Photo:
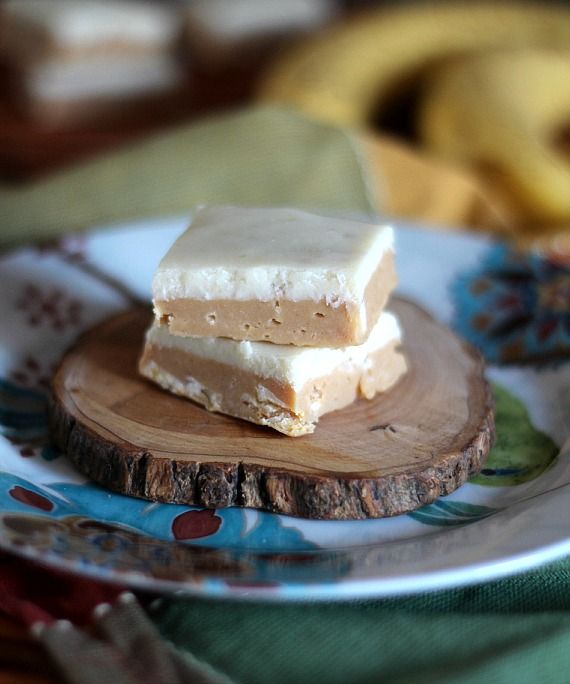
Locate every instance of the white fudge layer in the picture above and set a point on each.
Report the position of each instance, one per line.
(102, 76)
(76, 24)
(288, 364)
(244, 19)
(265, 254)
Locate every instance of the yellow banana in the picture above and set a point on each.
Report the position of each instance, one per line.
(503, 110)
(344, 73)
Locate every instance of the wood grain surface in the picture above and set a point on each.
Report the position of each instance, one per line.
(405, 448)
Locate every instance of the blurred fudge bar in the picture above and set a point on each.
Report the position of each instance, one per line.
(220, 32)
(77, 60)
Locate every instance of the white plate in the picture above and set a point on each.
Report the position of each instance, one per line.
(48, 511)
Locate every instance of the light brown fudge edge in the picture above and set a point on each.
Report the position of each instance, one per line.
(303, 323)
(264, 401)
(41, 46)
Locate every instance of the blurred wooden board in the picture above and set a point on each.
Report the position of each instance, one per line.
(30, 149)
(403, 449)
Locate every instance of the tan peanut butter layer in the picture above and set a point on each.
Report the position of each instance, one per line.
(265, 401)
(288, 390)
(83, 110)
(35, 47)
(301, 323)
(277, 275)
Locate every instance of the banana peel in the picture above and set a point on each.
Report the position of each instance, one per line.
(411, 186)
(347, 71)
(503, 111)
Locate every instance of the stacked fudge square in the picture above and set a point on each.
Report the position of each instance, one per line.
(275, 316)
(76, 61)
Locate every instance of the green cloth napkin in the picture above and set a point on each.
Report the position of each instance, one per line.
(512, 631)
(264, 156)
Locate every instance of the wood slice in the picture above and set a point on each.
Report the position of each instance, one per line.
(403, 449)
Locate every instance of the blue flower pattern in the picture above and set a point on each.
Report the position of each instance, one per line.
(515, 307)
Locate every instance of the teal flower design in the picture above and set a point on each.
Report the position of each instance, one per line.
(23, 420)
(515, 307)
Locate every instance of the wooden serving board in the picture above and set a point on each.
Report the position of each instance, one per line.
(403, 449)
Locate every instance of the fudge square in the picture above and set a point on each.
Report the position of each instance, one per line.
(283, 387)
(277, 275)
(77, 61)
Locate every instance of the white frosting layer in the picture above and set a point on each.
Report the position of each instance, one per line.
(266, 254)
(104, 76)
(286, 363)
(84, 23)
(238, 19)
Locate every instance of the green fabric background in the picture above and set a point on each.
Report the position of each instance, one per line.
(253, 157)
(512, 631)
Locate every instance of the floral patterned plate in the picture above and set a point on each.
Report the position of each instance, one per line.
(512, 516)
